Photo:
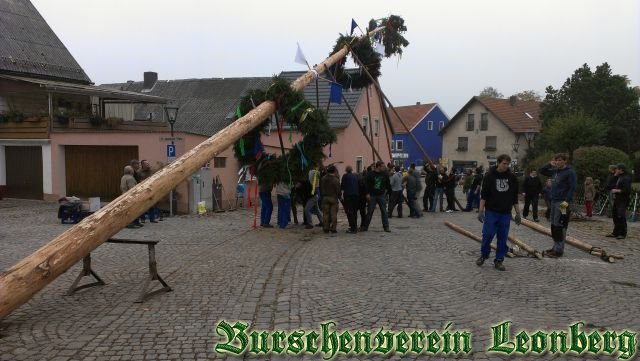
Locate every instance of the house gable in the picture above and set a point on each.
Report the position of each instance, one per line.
(29, 47)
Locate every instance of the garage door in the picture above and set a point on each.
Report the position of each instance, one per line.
(95, 171)
(24, 172)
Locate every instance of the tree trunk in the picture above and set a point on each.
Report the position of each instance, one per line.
(20, 282)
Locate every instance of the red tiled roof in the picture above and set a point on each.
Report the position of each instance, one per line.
(514, 116)
(410, 115)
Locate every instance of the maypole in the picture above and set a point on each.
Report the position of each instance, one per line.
(23, 280)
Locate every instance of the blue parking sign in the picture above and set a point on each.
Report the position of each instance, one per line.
(171, 150)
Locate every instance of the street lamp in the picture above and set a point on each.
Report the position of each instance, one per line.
(172, 116)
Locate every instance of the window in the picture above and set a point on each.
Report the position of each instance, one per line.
(484, 121)
(376, 127)
(491, 143)
(399, 145)
(430, 125)
(441, 125)
(358, 164)
(393, 145)
(398, 163)
(471, 122)
(463, 143)
(219, 162)
(365, 124)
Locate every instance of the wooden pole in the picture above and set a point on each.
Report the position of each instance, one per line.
(463, 231)
(532, 251)
(20, 282)
(355, 117)
(377, 85)
(385, 120)
(373, 150)
(595, 251)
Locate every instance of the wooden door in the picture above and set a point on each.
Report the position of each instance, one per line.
(24, 172)
(95, 171)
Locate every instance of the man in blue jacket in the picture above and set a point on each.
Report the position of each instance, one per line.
(563, 189)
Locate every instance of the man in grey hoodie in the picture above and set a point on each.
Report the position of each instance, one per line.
(396, 192)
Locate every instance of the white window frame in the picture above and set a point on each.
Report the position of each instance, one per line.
(399, 145)
(430, 125)
(359, 164)
(441, 125)
(376, 127)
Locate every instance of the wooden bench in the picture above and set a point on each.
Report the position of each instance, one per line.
(153, 271)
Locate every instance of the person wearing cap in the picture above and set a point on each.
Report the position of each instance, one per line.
(563, 190)
(622, 195)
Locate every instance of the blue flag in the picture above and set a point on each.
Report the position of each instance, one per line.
(336, 93)
(354, 25)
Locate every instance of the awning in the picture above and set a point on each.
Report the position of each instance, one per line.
(91, 90)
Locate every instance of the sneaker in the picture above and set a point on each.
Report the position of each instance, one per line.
(499, 266)
(363, 229)
(551, 254)
(449, 211)
(611, 235)
(266, 225)
(352, 231)
(621, 237)
(387, 230)
(308, 226)
(480, 261)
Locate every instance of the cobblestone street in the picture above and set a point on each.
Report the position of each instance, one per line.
(421, 276)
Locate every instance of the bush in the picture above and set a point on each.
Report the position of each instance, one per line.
(594, 162)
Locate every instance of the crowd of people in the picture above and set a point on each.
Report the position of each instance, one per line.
(134, 173)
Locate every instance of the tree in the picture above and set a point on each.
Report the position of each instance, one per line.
(570, 132)
(606, 97)
(490, 91)
(529, 95)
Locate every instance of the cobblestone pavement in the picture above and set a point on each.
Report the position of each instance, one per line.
(420, 276)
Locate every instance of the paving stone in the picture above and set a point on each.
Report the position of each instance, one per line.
(421, 276)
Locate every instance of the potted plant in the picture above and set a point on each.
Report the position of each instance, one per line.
(62, 117)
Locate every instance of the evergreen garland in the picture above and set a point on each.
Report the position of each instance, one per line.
(297, 112)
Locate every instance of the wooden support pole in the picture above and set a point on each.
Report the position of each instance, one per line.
(404, 125)
(595, 251)
(520, 243)
(20, 282)
(385, 120)
(463, 231)
(373, 148)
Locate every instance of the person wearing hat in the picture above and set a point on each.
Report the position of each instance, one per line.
(622, 195)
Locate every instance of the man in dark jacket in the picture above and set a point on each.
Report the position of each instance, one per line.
(412, 183)
(350, 186)
(563, 190)
(330, 190)
(621, 198)
(499, 194)
(532, 187)
(430, 180)
(377, 187)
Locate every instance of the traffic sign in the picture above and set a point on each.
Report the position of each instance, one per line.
(171, 150)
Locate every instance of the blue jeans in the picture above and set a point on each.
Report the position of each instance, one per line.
(381, 201)
(495, 223)
(266, 208)
(438, 195)
(284, 209)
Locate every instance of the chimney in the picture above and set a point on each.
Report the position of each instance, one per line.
(150, 78)
(417, 103)
(512, 100)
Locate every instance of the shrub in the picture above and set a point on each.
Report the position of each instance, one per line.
(594, 161)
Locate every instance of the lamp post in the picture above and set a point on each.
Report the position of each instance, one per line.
(172, 116)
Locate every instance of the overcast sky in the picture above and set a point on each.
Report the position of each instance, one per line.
(456, 47)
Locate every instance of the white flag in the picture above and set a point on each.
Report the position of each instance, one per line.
(300, 59)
